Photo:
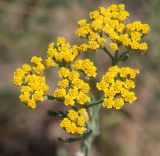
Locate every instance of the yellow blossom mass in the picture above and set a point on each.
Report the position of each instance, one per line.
(117, 85)
(106, 30)
(108, 25)
(61, 53)
(75, 121)
(86, 66)
(72, 89)
(33, 84)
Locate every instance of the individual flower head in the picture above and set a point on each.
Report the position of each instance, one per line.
(20, 73)
(38, 66)
(108, 25)
(117, 85)
(75, 122)
(33, 84)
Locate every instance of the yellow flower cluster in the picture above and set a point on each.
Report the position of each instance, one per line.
(38, 66)
(86, 31)
(75, 121)
(20, 73)
(110, 22)
(72, 89)
(33, 84)
(61, 53)
(135, 32)
(117, 84)
(107, 27)
(86, 66)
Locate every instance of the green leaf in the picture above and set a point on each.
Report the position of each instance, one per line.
(125, 57)
(70, 140)
(87, 134)
(58, 114)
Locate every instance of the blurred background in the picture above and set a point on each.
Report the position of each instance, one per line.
(26, 28)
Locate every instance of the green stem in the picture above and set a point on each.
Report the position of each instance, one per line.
(115, 59)
(95, 103)
(108, 53)
(122, 55)
(49, 97)
(93, 124)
